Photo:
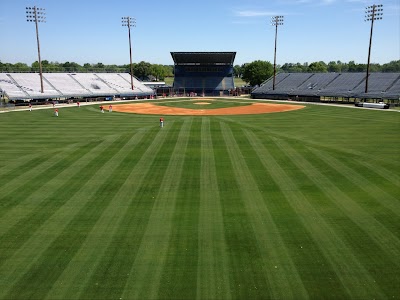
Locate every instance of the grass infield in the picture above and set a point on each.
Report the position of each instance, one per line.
(293, 205)
(206, 103)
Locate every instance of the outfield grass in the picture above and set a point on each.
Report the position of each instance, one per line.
(204, 103)
(295, 205)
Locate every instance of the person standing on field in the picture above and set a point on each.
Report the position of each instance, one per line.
(102, 109)
(110, 108)
(30, 106)
(56, 112)
(161, 122)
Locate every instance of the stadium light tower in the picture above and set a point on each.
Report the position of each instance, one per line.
(276, 21)
(128, 22)
(372, 13)
(37, 15)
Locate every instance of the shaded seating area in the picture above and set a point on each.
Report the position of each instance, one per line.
(321, 86)
(203, 73)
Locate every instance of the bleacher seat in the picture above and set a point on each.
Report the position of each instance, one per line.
(380, 85)
(58, 85)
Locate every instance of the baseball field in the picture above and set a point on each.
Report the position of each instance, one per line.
(299, 204)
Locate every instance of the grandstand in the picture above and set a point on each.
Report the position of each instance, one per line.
(321, 86)
(22, 86)
(203, 73)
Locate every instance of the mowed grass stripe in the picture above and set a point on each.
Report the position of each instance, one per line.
(392, 177)
(213, 264)
(19, 233)
(110, 275)
(388, 242)
(37, 190)
(283, 277)
(25, 272)
(151, 256)
(354, 278)
(359, 181)
(301, 119)
(24, 163)
(179, 275)
(84, 263)
(302, 247)
(27, 183)
(246, 272)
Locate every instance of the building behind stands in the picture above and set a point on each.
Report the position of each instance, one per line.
(203, 73)
(332, 87)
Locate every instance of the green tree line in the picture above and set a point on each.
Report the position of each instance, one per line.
(142, 70)
(253, 73)
(257, 72)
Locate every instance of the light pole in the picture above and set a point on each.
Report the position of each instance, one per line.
(372, 13)
(275, 21)
(37, 15)
(128, 21)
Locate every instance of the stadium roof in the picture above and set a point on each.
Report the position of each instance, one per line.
(203, 58)
(351, 85)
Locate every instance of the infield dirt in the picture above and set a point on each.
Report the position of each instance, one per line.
(254, 108)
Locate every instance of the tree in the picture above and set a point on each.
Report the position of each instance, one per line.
(237, 71)
(257, 72)
(99, 66)
(158, 71)
(293, 68)
(317, 67)
(21, 67)
(71, 67)
(35, 66)
(142, 70)
(393, 66)
(333, 66)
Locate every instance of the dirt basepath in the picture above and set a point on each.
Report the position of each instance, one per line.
(254, 108)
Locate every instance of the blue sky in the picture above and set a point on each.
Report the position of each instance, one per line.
(90, 31)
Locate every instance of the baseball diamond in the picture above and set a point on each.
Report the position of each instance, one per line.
(300, 204)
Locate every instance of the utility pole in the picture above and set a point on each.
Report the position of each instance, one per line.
(372, 13)
(275, 21)
(128, 22)
(37, 15)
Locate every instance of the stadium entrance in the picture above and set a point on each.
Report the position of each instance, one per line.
(203, 73)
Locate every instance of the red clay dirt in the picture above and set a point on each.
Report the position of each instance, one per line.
(254, 108)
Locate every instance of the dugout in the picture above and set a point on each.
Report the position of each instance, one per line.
(203, 73)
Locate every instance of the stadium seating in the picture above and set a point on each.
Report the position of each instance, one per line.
(395, 87)
(380, 85)
(9, 86)
(204, 72)
(30, 84)
(207, 83)
(66, 85)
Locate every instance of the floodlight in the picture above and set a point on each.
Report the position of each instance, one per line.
(276, 21)
(128, 22)
(37, 15)
(374, 12)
